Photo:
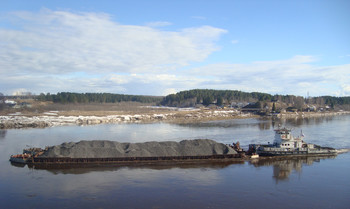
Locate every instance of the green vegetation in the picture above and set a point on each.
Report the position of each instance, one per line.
(206, 97)
(2, 104)
(329, 100)
(209, 96)
(67, 97)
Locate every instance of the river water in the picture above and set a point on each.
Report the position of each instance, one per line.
(298, 183)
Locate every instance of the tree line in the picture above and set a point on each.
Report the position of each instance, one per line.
(220, 97)
(68, 97)
(194, 97)
(209, 96)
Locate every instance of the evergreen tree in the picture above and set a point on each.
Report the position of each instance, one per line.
(207, 101)
(219, 101)
(274, 107)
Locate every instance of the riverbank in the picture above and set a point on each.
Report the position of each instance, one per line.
(310, 114)
(168, 115)
(55, 118)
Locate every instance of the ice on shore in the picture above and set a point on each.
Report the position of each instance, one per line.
(52, 118)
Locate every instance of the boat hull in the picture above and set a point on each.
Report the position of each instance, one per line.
(296, 153)
(18, 160)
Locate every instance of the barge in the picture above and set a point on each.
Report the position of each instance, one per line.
(285, 144)
(110, 152)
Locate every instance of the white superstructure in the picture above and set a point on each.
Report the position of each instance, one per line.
(284, 139)
(286, 144)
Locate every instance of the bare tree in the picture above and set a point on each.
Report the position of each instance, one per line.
(299, 103)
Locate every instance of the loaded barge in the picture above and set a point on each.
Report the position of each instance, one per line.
(192, 151)
(110, 152)
(285, 144)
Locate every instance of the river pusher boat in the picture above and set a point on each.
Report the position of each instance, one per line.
(286, 144)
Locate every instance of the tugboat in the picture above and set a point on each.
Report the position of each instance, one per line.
(286, 144)
(20, 158)
(27, 155)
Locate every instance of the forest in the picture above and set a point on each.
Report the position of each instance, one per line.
(225, 97)
(195, 97)
(68, 97)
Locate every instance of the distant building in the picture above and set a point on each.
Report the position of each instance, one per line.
(10, 102)
(311, 108)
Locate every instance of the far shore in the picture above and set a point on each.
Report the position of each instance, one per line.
(143, 114)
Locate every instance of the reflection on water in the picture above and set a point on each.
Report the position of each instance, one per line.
(19, 165)
(263, 123)
(297, 122)
(87, 168)
(3, 133)
(283, 167)
(240, 123)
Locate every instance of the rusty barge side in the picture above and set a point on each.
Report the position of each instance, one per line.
(116, 160)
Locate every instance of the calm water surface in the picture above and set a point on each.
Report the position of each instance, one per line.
(300, 183)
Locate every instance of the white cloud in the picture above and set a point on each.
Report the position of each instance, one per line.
(292, 76)
(170, 91)
(19, 92)
(118, 79)
(54, 51)
(345, 89)
(199, 17)
(158, 24)
(56, 42)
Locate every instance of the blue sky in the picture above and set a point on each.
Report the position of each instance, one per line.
(162, 47)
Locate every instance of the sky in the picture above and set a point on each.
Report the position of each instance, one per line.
(159, 47)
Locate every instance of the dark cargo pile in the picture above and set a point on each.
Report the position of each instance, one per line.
(106, 149)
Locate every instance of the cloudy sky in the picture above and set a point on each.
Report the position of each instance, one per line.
(158, 47)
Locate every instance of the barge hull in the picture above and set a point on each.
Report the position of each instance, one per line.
(66, 160)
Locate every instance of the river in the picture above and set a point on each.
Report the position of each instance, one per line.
(298, 183)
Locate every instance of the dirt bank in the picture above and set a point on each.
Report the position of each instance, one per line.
(54, 118)
(60, 118)
(309, 114)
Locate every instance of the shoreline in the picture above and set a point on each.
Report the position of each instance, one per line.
(64, 118)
